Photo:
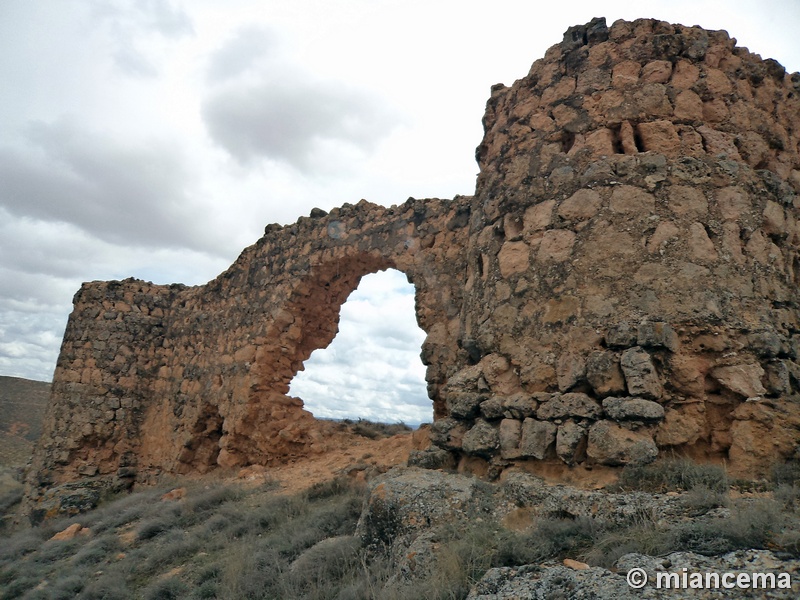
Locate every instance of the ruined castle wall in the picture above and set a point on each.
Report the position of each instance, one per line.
(623, 283)
(101, 384)
(633, 257)
(158, 379)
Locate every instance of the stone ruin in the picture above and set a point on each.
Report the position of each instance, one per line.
(623, 283)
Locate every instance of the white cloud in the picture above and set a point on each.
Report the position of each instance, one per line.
(288, 116)
(243, 51)
(136, 31)
(131, 192)
(372, 369)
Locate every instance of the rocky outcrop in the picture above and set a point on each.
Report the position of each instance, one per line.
(776, 578)
(631, 250)
(410, 511)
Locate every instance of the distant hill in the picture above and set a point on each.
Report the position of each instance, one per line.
(22, 406)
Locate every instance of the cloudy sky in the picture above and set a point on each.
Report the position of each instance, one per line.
(157, 138)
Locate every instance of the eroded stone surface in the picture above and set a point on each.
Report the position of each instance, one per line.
(637, 198)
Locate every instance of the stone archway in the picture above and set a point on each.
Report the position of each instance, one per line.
(372, 369)
(272, 425)
(179, 379)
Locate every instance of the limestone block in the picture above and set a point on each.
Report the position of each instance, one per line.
(622, 335)
(656, 334)
(638, 409)
(732, 242)
(556, 245)
(774, 219)
(681, 425)
(573, 404)
(482, 439)
(447, 433)
(625, 74)
(627, 199)
(464, 405)
(778, 378)
(510, 432)
(571, 442)
(492, 408)
(664, 233)
(687, 201)
(657, 71)
(660, 136)
(687, 374)
(561, 310)
(685, 75)
(583, 204)
(744, 379)
(611, 444)
(733, 203)
(521, 406)
(600, 142)
(539, 216)
(604, 374)
(627, 137)
(688, 106)
(640, 374)
(760, 434)
(651, 99)
(701, 248)
(765, 344)
(513, 258)
(570, 370)
(537, 438)
(715, 111)
(719, 143)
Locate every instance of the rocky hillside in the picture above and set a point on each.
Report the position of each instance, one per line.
(22, 406)
(419, 534)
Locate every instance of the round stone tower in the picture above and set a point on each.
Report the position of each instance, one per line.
(633, 257)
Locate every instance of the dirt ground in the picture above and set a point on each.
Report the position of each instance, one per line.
(347, 454)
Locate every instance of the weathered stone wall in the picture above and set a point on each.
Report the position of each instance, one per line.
(155, 379)
(624, 280)
(633, 256)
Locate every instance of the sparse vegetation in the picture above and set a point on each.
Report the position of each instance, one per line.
(374, 430)
(225, 541)
(673, 474)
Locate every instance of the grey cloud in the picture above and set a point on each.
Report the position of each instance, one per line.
(161, 16)
(27, 292)
(33, 313)
(288, 118)
(40, 247)
(29, 343)
(118, 193)
(240, 53)
(130, 21)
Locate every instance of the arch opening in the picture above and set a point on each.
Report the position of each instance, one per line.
(372, 368)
